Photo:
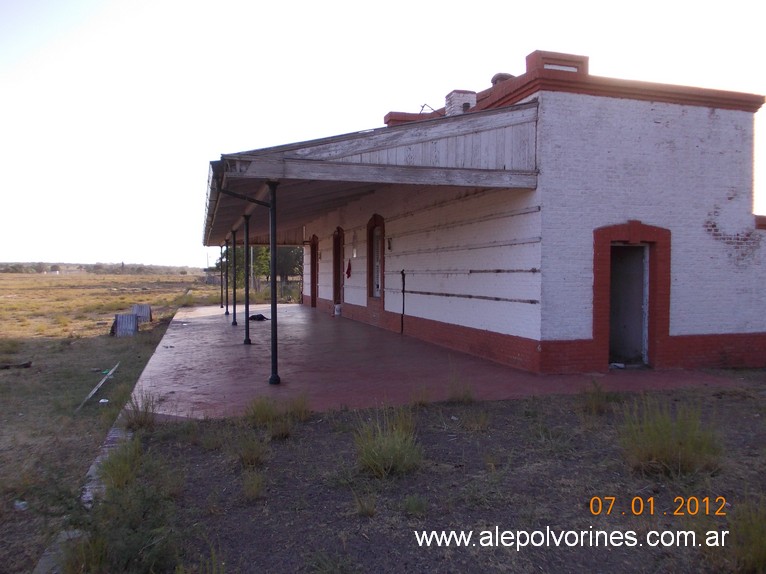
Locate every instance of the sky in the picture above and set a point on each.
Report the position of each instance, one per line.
(111, 110)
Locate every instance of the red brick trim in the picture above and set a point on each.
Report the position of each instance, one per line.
(658, 239)
(539, 78)
(372, 314)
(737, 350)
(518, 352)
(579, 356)
(542, 80)
(760, 221)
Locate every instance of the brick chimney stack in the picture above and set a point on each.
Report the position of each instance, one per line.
(459, 102)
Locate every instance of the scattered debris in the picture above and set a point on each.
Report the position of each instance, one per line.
(616, 365)
(103, 401)
(24, 365)
(97, 387)
(143, 312)
(20, 505)
(125, 325)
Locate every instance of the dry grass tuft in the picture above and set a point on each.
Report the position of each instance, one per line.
(748, 535)
(140, 413)
(657, 442)
(386, 443)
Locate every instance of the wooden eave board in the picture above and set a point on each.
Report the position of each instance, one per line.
(494, 149)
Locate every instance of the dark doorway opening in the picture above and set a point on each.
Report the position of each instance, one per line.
(628, 305)
(314, 270)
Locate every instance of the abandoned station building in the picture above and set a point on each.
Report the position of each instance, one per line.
(555, 221)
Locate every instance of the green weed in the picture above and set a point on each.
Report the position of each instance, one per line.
(130, 528)
(415, 505)
(595, 400)
(122, 465)
(324, 563)
(251, 451)
(252, 484)
(365, 504)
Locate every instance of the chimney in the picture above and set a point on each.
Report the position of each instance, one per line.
(501, 77)
(540, 60)
(459, 102)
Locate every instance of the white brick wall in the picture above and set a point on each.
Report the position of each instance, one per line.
(447, 241)
(604, 161)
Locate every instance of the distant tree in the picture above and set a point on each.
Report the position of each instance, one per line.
(289, 263)
(55, 268)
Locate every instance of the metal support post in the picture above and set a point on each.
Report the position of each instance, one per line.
(247, 279)
(274, 379)
(234, 278)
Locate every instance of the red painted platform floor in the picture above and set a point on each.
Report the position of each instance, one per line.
(201, 368)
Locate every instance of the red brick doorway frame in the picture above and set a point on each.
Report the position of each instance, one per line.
(658, 328)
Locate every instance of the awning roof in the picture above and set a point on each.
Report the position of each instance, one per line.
(321, 175)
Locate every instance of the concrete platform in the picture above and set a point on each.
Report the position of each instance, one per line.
(201, 368)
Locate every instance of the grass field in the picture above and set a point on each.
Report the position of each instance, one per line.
(61, 324)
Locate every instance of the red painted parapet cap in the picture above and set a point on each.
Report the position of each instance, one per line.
(558, 72)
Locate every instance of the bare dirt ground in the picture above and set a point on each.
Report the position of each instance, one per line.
(526, 465)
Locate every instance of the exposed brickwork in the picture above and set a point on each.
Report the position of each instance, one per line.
(744, 244)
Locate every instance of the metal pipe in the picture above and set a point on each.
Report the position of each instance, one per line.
(401, 327)
(234, 282)
(247, 279)
(274, 379)
(220, 265)
(227, 277)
